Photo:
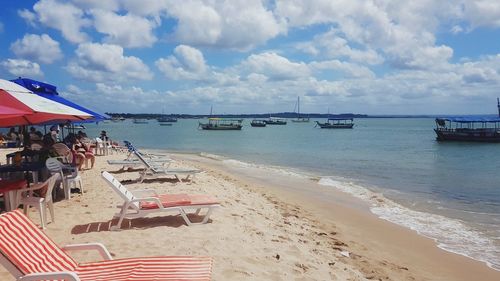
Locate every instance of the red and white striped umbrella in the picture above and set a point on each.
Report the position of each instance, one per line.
(32, 108)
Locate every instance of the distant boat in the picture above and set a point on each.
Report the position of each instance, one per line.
(336, 123)
(299, 118)
(221, 124)
(275, 121)
(166, 119)
(115, 119)
(122, 118)
(165, 124)
(466, 128)
(258, 123)
(140, 121)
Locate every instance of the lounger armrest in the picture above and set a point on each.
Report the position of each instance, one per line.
(100, 248)
(145, 193)
(60, 275)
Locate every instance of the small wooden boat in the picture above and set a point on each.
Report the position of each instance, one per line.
(336, 123)
(275, 121)
(166, 119)
(258, 123)
(220, 124)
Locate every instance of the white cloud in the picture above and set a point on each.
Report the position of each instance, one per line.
(22, 68)
(274, 66)
(128, 30)
(62, 16)
(236, 24)
(186, 63)
(482, 13)
(331, 45)
(100, 62)
(40, 48)
(403, 32)
(348, 69)
(108, 5)
(28, 16)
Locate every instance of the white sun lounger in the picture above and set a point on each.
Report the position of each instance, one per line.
(151, 203)
(154, 171)
(131, 163)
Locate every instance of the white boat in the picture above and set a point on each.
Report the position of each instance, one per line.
(140, 121)
(299, 118)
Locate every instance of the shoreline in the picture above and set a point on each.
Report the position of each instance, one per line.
(352, 214)
(268, 228)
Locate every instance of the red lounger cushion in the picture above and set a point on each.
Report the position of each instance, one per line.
(176, 200)
(151, 268)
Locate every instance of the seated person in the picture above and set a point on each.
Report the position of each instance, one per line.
(82, 149)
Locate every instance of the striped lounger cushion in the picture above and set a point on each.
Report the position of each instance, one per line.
(31, 251)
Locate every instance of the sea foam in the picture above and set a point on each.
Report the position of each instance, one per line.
(450, 234)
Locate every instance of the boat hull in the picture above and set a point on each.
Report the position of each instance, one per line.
(221, 128)
(275, 122)
(257, 125)
(334, 126)
(467, 136)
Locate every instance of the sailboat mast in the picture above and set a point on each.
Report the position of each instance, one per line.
(298, 106)
(498, 106)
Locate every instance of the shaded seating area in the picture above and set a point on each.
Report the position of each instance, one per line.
(149, 202)
(29, 254)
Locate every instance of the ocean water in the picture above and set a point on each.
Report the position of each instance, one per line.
(446, 191)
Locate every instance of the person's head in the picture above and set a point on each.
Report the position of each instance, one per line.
(12, 130)
(103, 133)
(32, 130)
(54, 128)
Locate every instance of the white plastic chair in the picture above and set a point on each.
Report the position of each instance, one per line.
(40, 203)
(68, 181)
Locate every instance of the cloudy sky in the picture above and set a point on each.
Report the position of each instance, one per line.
(251, 56)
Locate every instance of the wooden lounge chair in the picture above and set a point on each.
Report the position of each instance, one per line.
(30, 255)
(153, 203)
(154, 171)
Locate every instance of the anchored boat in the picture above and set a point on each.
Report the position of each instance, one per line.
(275, 121)
(473, 129)
(336, 123)
(299, 118)
(221, 124)
(258, 123)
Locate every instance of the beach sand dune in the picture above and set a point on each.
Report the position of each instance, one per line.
(257, 234)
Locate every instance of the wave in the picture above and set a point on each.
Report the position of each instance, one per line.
(450, 234)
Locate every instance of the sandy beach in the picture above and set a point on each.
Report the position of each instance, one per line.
(269, 227)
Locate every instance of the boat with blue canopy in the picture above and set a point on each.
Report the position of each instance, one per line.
(469, 128)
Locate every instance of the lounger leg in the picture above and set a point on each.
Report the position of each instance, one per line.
(122, 214)
(207, 216)
(189, 222)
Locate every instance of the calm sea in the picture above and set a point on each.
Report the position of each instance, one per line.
(447, 191)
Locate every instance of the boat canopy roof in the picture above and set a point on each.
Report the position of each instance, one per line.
(471, 119)
(340, 118)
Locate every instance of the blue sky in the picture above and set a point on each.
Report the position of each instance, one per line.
(374, 57)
